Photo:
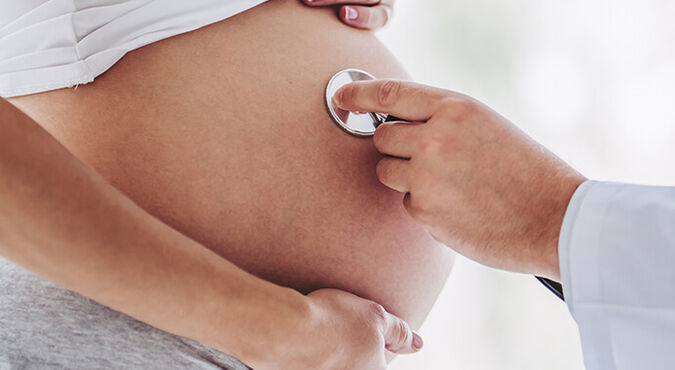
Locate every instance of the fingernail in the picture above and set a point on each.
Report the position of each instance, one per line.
(351, 14)
(417, 342)
(337, 99)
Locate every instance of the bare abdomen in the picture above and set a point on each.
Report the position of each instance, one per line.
(223, 134)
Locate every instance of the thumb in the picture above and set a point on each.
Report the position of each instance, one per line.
(398, 336)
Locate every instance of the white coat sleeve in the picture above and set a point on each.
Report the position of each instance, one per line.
(617, 264)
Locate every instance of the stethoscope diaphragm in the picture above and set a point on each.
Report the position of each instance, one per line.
(359, 124)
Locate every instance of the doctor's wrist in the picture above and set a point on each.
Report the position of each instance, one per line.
(545, 257)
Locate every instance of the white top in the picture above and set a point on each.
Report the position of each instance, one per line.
(51, 44)
(617, 261)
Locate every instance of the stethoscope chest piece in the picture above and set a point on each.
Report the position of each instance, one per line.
(365, 124)
(359, 124)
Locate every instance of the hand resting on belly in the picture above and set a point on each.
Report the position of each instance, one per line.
(222, 134)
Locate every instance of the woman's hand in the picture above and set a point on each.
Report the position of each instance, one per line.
(476, 181)
(63, 221)
(364, 14)
(342, 331)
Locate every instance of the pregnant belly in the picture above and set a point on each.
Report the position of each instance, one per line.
(223, 134)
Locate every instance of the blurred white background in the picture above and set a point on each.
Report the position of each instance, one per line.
(592, 80)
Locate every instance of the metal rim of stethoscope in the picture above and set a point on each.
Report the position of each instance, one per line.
(330, 90)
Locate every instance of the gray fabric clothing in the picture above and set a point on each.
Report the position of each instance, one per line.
(43, 326)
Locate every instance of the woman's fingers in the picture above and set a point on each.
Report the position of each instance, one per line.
(364, 14)
(340, 2)
(366, 17)
(398, 336)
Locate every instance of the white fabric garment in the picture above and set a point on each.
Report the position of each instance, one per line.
(51, 44)
(617, 262)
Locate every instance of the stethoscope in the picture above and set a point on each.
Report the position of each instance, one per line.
(365, 124)
(358, 124)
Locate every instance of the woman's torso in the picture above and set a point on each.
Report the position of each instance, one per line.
(223, 134)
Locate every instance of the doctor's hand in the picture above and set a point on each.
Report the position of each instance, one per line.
(472, 178)
(364, 14)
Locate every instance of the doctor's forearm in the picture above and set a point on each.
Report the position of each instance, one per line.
(61, 220)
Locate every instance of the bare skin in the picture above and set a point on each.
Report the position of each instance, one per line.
(475, 181)
(60, 219)
(236, 152)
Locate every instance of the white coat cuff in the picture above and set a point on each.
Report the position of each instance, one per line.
(617, 253)
(578, 226)
(579, 265)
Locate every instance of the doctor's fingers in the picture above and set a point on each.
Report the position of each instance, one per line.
(408, 100)
(394, 173)
(397, 139)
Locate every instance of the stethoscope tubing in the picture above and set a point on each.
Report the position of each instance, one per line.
(554, 287)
